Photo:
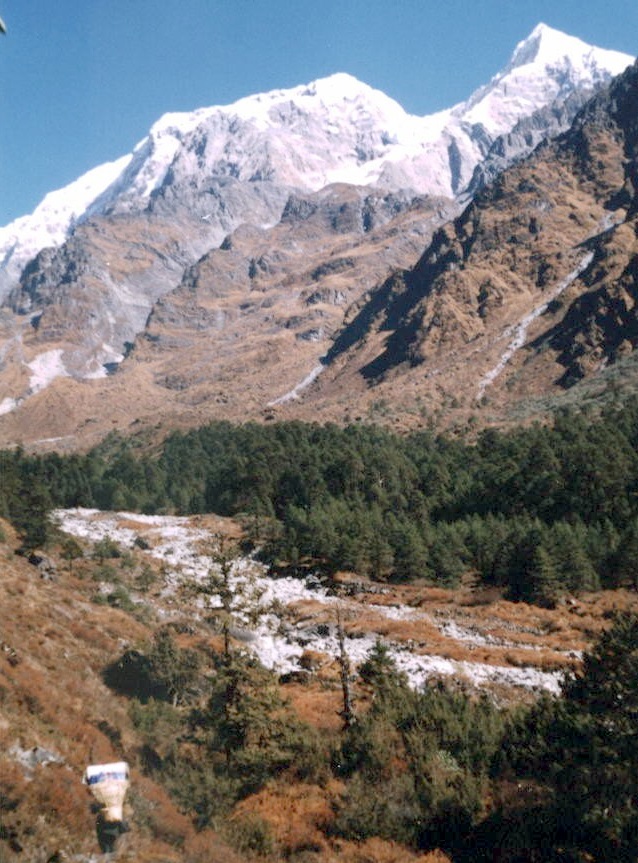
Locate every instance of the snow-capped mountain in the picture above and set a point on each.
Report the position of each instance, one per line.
(334, 130)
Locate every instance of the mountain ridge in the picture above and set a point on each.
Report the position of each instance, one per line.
(144, 171)
(222, 293)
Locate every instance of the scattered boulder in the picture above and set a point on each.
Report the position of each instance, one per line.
(38, 756)
(45, 566)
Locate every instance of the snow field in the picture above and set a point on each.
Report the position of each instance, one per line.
(176, 541)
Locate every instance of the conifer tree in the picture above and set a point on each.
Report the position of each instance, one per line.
(173, 670)
(583, 747)
(623, 570)
(230, 591)
(347, 712)
(568, 549)
(245, 718)
(541, 585)
(380, 671)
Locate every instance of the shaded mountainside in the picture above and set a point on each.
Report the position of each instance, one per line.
(531, 289)
(324, 315)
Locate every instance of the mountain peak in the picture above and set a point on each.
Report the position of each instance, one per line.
(546, 46)
(339, 85)
(542, 40)
(335, 129)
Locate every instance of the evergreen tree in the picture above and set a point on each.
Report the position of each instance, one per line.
(411, 559)
(623, 565)
(71, 550)
(380, 671)
(247, 721)
(230, 591)
(540, 579)
(584, 747)
(533, 576)
(173, 671)
(568, 549)
(30, 513)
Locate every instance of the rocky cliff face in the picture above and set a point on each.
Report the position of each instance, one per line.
(335, 130)
(217, 282)
(531, 288)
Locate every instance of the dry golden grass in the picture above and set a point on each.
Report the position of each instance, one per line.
(296, 814)
(55, 645)
(52, 695)
(316, 704)
(207, 847)
(382, 851)
(483, 627)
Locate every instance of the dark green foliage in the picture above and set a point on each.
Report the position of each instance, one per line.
(247, 720)
(380, 671)
(71, 549)
(250, 835)
(165, 672)
(240, 737)
(534, 578)
(106, 548)
(174, 671)
(30, 512)
(623, 564)
(582, 749)
(119, 597)
(537, 511)
(416, 764)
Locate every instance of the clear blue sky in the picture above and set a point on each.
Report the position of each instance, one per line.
(83, 80)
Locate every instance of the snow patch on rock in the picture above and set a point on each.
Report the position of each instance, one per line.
(180, 544)
(46, 367)
(519, 330)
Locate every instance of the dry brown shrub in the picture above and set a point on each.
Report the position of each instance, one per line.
(546, 660)
(296, 814)
(312, 660)
(58, 794)
(13, 785)
(90, 635)
(49, 810)
(156, 808)
(316, 705)
(310, 609)
(396, 630)
(377, 850)
(207, 847)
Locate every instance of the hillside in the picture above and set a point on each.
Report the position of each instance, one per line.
(85, 609)
(267, 259)
(57, 716)
(318, 471)
(525, 294)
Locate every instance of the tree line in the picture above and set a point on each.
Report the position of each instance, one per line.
(536, 511)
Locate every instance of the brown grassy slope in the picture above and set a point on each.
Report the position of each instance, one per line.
(55, 643)
(248, 322)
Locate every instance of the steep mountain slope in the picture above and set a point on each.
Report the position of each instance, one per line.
(57, 716)
(332, 130)
(529, 290)
(234, 329)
